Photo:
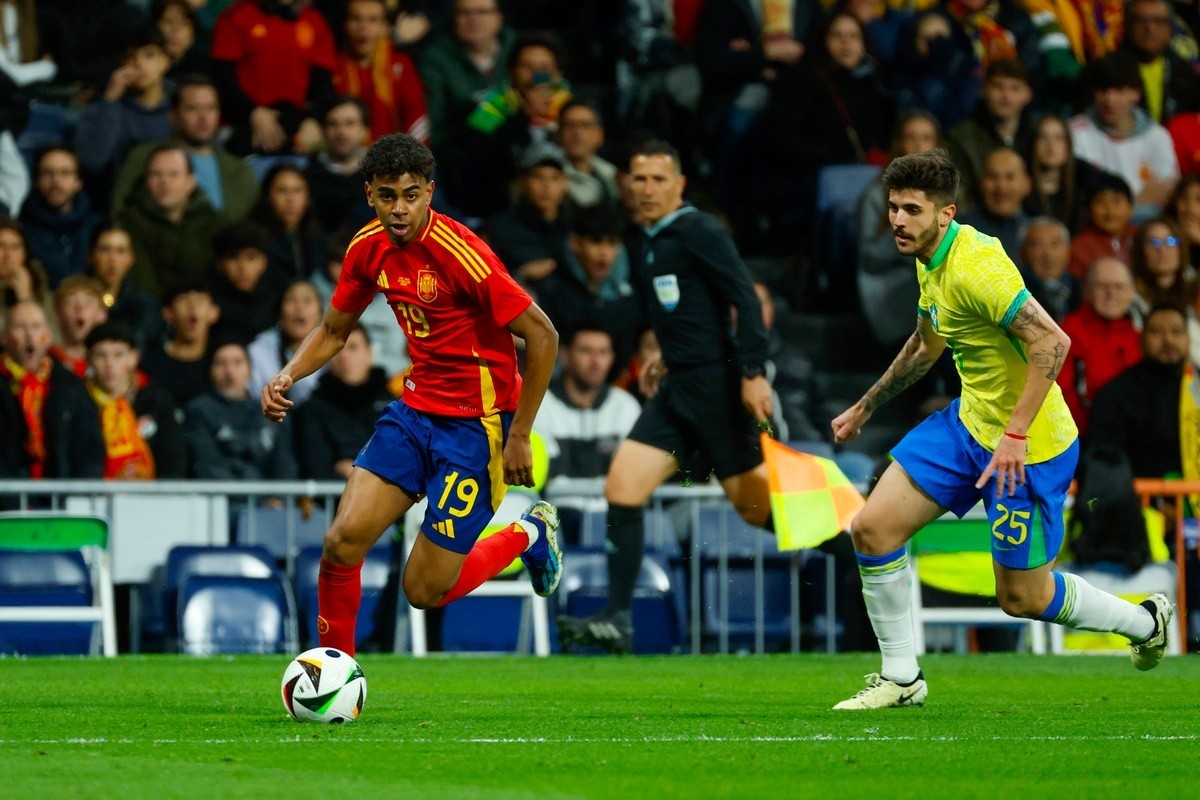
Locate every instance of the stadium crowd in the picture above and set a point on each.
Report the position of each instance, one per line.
(179, 180)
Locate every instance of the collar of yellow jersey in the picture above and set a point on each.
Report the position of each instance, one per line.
(939, 255)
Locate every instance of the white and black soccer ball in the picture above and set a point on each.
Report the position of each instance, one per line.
(324, 685)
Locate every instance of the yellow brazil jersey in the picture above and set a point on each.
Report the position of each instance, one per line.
(971, 291)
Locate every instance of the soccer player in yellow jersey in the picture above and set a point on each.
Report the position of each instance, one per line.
(1008, 441)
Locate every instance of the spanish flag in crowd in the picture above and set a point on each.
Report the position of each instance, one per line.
(811, 500)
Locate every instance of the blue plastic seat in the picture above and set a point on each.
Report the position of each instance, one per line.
(374, 581)
(231, 615)
(45, 578)
(268, 528)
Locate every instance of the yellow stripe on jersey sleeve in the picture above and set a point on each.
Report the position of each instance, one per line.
(452, 241)
(364, 232)
(457, 256)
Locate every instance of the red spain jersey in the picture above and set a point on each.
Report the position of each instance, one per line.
(453, 298)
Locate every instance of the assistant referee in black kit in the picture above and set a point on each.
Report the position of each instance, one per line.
(705, 417)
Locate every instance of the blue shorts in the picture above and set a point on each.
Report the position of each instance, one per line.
(942, 457)
(458, 462)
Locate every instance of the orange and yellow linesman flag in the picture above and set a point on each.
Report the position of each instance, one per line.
(811, 500)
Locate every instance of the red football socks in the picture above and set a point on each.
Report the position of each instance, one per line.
(339, 592)
(487, 558)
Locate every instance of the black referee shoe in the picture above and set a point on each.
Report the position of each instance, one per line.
(612, 633)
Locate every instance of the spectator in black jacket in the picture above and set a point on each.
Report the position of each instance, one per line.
(229, 437)
(141, 423)
(111, 257)
(248, 288)
(57, 217)
(529, 237)
(286, 210)
(333, 175)
(339, 417)
(51, 427)
(181, 362)
(1174, 87)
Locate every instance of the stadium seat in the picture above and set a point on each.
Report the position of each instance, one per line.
(221, 614)
(660, 531)
(658, 611)
(374, 581)
(184, 561)
(954, 555)
(56, 570)
(741, 567)
(268, 528)
(859, 468)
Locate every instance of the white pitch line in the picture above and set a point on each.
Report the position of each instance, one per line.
(693, 739)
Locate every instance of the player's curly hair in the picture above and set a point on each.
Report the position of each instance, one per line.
(397, 154)
(932, 173)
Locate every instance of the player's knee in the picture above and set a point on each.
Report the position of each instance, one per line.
(1020, 603)
(421, 594)
(340, 547)
(867, 535)
(619, 491)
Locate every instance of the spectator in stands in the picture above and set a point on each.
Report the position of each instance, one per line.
(23, 61)
(228, 182)
(57, 217)
(1169, 83)
(462, 65)
(141, 423)
(530, 236)
(831, 108)
(1183, 209)
(389, 347)
(133, 109)
(339, 417)
(248, 288)
(1003, 187)
(79, 305)
(1138, 412)
(171, 223)
(1107, 230)
(999, 121)
(296, 244)
(887, 287)
(22, 277)
(370, 68)
(936, 71)
(50, 427)
(273, 62)
(657, 82)
(1159, 271)
(582, 420)
(520, 112)
(590, 179)
(298, 313)
(1060, 181)
(333, 175)
(180, 364)
(1115, 134)
(111, 257)
(1045, 250)
(592, 281)
(180, 28)
(1104, 341)
(229, 438)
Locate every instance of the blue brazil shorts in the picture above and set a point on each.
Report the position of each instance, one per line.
(942, 457)
(458, 462)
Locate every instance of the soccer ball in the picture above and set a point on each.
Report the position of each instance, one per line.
(324, 685)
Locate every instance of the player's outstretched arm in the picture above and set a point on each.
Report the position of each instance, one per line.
(1047, 347)
(321, 344)
(914, 360)
(541, 349)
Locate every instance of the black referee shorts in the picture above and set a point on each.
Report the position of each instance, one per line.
(698, 417)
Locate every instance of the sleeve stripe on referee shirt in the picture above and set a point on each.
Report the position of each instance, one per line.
(467, 256)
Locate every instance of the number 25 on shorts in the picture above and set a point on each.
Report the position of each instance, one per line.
(1017, 521)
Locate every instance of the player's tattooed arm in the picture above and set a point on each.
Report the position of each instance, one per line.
(914, 360)
(1046, 341)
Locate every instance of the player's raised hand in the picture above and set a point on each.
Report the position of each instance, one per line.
(518, 460)
(274, 404)
(847, 425)
(1007, 464)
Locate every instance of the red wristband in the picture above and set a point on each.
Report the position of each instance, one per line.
(1016, 436)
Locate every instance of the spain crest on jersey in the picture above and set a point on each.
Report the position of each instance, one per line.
(426, 285)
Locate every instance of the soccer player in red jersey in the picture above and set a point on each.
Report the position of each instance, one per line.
(460, 432)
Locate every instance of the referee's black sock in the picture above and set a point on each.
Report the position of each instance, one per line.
(626, 529)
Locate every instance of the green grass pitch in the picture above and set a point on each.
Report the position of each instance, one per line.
(1004, 726)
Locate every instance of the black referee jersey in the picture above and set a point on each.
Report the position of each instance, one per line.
(690, 275)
